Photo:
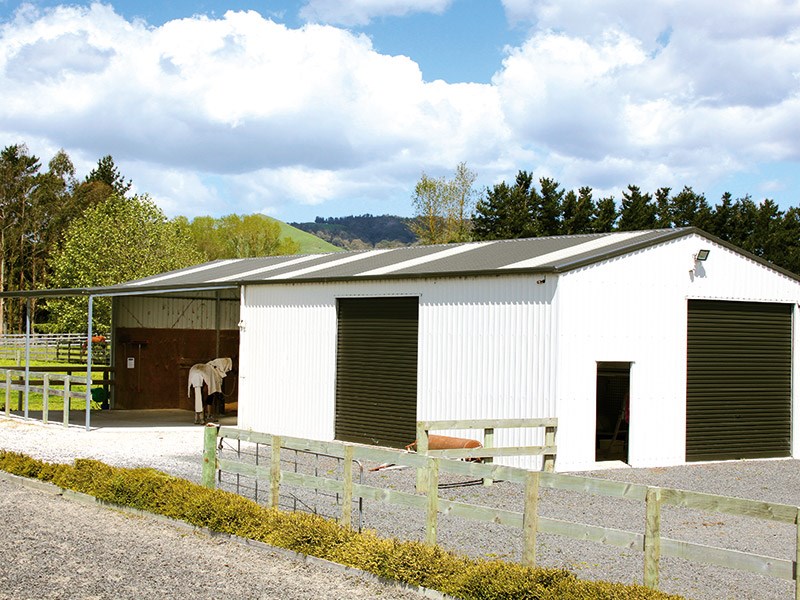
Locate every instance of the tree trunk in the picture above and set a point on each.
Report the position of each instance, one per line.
(2, 281)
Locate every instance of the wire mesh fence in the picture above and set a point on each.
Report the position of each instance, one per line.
(294, 498)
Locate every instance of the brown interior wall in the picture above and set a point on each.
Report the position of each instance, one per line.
(162, 358)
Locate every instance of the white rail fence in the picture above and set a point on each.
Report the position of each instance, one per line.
(45, 347)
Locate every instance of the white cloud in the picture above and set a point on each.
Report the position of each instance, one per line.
(670, 92)
(563, 92)
(361, 12)
(178, 191)
(649, 21)
(243, 114)
(240, 96)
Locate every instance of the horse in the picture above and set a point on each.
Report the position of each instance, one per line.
(212, 374)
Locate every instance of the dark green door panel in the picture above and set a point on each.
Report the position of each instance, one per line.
(738, 380)
(376, 370)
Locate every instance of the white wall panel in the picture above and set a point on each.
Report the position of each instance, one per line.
(633, 309)
(484, 352)
(287, 360)
(163, 312)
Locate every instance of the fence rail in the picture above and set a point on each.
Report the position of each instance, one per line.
(61, 347)
(651, 543)
(489, 450)
(49, 381)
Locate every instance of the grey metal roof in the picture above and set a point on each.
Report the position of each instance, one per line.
(535, 255)
(540, 255)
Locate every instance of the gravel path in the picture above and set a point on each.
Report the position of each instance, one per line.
(58, 548)
(178, 451)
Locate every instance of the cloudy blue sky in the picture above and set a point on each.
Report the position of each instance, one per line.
(335, 107)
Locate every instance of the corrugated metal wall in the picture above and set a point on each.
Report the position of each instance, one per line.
(634, 309)
(163, 312)
(287, 360)
(485, 351)
(509, 347)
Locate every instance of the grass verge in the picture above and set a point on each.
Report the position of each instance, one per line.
(35, 399)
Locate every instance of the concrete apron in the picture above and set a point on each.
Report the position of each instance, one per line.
(155, 418)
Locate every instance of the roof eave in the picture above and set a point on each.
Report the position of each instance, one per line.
(123, 290)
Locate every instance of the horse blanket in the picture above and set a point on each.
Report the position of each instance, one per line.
(210, 373)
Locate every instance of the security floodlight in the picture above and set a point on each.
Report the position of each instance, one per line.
(701, 255)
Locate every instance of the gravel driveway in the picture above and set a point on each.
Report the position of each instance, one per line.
(178, 451)
(58, 548)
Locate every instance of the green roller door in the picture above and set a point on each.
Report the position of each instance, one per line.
(738, 380)
(376, 370)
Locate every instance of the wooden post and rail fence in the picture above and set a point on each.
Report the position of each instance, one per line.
(53, 382)
(488, 451)
(650, 542)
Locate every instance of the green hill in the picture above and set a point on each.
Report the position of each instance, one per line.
(309, 243)
(362, 231)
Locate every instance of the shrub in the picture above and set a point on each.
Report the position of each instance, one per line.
(410, 562)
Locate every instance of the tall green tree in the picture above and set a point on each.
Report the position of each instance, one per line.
(721, 224)
(52, 209)
(548, 207)
(18, 179)
(506, 212)
(767, 240)
(637, 211)
(789, 240)
(442, 207)
(606, 215)
(743, 223)
(118, 240)
(239, 236)
(462, 203)
(430, 210)
(663, 208)
(690, 209)
(578, 212)
(107, 172)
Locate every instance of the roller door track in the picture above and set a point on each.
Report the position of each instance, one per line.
(376, 370)
(738, 380)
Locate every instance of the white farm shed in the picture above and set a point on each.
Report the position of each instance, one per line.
(651, 347)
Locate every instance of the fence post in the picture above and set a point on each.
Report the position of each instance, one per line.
(652, 537)
(275, 472)
(8, 393)
(433, 500)
(347, 480)
(45, 397)
(67, 400)
(797, 558)
(488, 442)
(530, 519)
(549, 440)
(422, 450)
(210, 456)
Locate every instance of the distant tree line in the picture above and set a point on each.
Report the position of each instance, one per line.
(362, 231)
(526, 208)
